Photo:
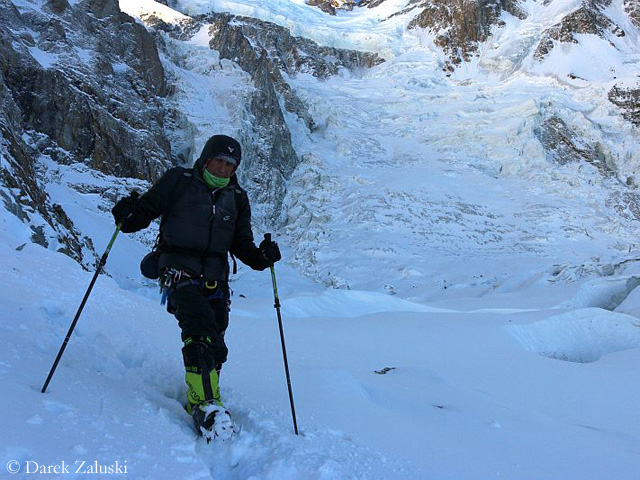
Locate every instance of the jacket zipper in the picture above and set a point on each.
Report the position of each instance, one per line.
(214, 195)
(212, 220)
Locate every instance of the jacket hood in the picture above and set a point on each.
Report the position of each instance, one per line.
(222, 146)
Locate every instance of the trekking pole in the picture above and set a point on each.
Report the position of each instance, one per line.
(267, 237)
(101, 264)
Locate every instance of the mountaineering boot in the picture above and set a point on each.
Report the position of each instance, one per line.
(204, 404)
(213, 421)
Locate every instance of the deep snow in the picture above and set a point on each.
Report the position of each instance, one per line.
(546, 392)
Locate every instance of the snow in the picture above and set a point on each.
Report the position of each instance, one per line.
(465, 385)
(499, 290)
(462, 176)
(363, 29)
(136, 8)
(121, 381)
(45, 59)
(607, 293)
(465, 381)
(631, 304)
(581, 336)
(86, 56)
(120, 67)
(462, 387)
(349, 304)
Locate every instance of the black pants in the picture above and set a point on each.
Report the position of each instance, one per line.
(203, 312)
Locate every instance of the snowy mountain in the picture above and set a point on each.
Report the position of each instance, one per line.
(454, 185)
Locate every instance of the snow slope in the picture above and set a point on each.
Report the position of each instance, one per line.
(118, 392)
(462, 177)
(474, 393)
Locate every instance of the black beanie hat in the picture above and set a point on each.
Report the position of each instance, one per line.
(221, 146)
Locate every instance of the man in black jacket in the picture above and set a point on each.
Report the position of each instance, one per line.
(205, 216)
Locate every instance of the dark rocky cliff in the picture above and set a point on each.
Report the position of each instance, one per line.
(628, 99)
(632, 7)
(90, 79)
(78, 83)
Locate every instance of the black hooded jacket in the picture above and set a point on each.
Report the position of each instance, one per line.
(199, 227)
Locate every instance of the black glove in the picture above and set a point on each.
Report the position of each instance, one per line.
(124, 209)
(269, 251)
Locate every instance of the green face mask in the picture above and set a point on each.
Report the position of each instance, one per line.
(212, 181)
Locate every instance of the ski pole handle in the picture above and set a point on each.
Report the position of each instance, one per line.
(267, 237)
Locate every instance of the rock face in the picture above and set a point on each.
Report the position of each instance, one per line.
(291, 55)
(632, 7)
(370, 3)
(267, 51)
(628, 99)
(563, 146)
(90, 80)
(324, 5)
(586, 20)
(23, 195)
(330, 6)
(78, 83)
(461, 25)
